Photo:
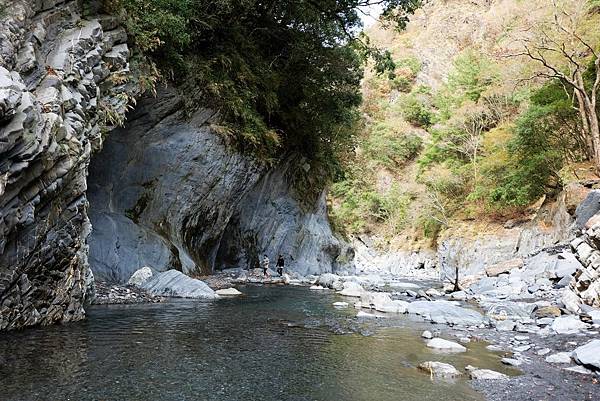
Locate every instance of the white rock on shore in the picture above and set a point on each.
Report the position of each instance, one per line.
(352, 289)
(569, 324)
(485, 374)
(140, 276)
(560, 357)
(588, 354)
(174, 283)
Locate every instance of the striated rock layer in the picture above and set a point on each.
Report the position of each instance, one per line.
(165, 191)
(61, 80)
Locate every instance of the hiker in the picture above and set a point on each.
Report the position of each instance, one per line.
(265, 265)
(280, 263)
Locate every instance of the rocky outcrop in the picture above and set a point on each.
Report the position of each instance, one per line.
(62, 81)
(168, 193)
(272, 220)
(585, 285)
(549, 228)
(162, 192)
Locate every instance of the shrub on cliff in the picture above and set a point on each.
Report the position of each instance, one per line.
(284, 75)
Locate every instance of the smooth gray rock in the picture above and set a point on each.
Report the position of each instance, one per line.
(166, 191)
(173, 283)
(486, 374)
(589, 207)
(560, 357)
(588, 355)
(352, 289)
(446, 312)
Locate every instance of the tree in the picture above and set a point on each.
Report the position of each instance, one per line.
(283, 75)
(567, 45)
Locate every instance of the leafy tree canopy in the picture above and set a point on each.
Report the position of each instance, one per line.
(285, 75)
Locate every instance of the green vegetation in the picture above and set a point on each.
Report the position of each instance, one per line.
(498, 133)
(284, 75)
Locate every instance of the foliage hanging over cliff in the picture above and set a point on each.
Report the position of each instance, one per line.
(285, 75)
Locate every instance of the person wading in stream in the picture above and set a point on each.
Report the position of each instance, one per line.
(265, 265)
(280, 263)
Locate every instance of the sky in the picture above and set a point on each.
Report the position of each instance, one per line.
(373, 13)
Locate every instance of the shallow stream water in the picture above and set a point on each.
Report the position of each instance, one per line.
(276, 343)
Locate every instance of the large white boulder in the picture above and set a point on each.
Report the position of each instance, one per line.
(445, 345)
(330, 280)
(588, 354)
(352, 289)
(173, 283)
(140, 276)
(568, 324)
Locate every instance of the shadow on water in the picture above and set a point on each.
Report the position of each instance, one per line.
(271, 344)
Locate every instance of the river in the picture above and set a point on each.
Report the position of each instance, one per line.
(273, 343)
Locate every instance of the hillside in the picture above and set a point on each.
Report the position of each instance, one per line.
(468, 132)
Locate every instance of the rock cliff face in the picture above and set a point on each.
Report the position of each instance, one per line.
(162, 191)
(166, 192)
(553, 225)
(59, 81)
(271, 220)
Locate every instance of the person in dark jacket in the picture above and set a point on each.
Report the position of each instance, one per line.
(280, 264)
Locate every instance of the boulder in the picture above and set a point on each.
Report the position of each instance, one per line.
(330, 280)
(317, 288)
(586, 209)
(140, 276)
(505, 325)
(352, 289)
(439, 369)
(568, 325)
(173, 283)
(508, 310)
(571, 301)
(486, 374)
(445, 345)
(432, 292)
(503, 267)
(511, 361)
(446, 312)
(547, 311)
(560, 357)
(588, 355)
(228, 292)
(566, 265)
(427, 334)
(340, 304)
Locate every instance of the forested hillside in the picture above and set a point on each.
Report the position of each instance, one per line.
(489, 112)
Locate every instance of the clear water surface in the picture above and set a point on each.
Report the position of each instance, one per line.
(277, 343)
